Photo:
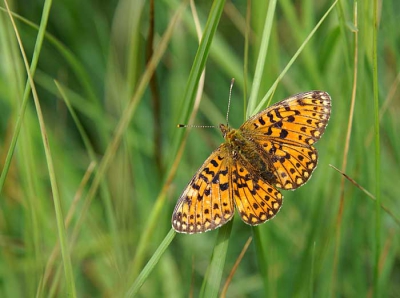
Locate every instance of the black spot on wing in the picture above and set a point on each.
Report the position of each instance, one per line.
(283, 133)
(224, 186)
(214, 163)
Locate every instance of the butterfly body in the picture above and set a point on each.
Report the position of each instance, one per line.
(242, 148)
(273, 149)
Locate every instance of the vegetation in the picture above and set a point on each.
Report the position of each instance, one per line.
(92, 162)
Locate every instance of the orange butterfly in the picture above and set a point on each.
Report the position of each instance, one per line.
(273, 149)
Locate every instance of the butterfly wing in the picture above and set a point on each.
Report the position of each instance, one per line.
(285, 133)
(255, 198)
(206, 203)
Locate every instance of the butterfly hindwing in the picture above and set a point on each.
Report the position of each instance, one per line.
(256, 200)
(292, 164)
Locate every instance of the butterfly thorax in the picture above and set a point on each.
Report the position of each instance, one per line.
(244, 148)
(237, 142)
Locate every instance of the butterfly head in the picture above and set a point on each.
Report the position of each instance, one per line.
(232, 136)
(225, 129)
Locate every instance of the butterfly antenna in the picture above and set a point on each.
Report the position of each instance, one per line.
(229, 101)
(212, 126)
(194, 126)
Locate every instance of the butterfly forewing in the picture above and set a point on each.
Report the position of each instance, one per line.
(300, 119)
(207, 202)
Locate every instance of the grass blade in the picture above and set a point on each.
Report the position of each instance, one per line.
(377, 149)
(262, 54)
(292, 60)
(151, 264)
(212, 280)
(69, 277)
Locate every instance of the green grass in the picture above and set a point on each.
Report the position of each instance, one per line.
(92, 163)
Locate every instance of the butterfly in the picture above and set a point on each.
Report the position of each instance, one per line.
(273, 149)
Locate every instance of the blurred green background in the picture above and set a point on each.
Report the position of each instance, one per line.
(84, 218)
